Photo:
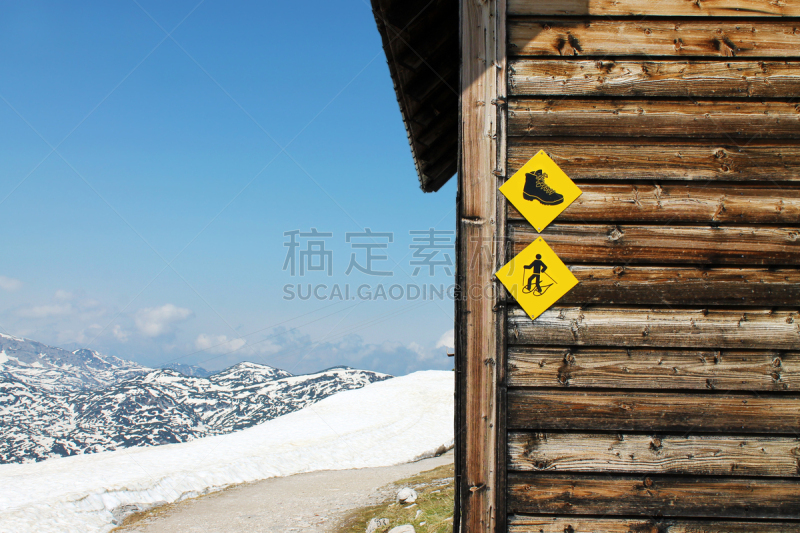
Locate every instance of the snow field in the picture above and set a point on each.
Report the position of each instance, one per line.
(382, 424)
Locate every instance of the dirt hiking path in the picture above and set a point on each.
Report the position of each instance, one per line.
(312, 502)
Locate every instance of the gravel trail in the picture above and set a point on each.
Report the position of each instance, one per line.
(312, 502)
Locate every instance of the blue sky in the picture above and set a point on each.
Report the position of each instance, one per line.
(155, 153)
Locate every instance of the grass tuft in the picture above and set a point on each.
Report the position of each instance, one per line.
(436, 493)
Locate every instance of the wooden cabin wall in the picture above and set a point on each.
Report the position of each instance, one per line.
(662, 393)
(480, 328)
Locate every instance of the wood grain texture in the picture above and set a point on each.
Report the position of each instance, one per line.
(577, 524)
(661, 8)
(634, 244)
(476, 327)
(606, 495)
(677, 285)
(649, 454)
(657, 328)
(703, 160)
(702, 79)
(586, 410)
(501, 258)
(654, 118)
(542, 366)
(653, 37)
(674, 203)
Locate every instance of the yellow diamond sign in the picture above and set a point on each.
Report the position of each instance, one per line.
(536, 278)
(540, 190)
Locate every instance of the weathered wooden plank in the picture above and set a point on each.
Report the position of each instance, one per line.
(682, 203)
(657, 327)
(674, 285)
(654, 118)
(538, 366)
(476, 326)
(648, 454)
(662, 159)
(577, 524)
(501, 257)
(653, 496)
(606, 77)
(661, 8)
(586, 410)
(725, 245)
(653, 37)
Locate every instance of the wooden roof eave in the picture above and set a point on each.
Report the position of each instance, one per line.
(420, 40)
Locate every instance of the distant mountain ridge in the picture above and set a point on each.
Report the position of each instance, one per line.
(58, 370)
(58, 403)
(189, 370)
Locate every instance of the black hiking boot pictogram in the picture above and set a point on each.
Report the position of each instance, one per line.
(537, 189)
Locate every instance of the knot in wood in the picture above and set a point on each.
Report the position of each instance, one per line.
(615, 234)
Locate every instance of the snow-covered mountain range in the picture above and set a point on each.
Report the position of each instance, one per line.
(56, 370)
(58, 403)
(387, 423)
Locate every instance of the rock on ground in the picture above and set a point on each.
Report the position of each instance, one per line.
(375, 523)
(407, 495)
(408, 528)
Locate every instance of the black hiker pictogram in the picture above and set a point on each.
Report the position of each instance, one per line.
(539, 268)
(536, 189)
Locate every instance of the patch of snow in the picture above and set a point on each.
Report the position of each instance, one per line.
(3, 357)
(352, 429)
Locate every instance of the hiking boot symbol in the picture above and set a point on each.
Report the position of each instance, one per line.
(536, 189)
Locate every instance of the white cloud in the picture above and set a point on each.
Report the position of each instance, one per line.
(10, 284)
(447, 340)
(81, 336)
(120, 334)
(90, 304)
(157, 321)
(419, 350)
(63, 296)
(299, 354)
(46, 311)
(217, 343)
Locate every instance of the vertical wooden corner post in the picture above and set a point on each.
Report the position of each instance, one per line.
(480, 315)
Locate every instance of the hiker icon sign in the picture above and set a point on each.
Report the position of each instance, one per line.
(536, 278)
(540, 191)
